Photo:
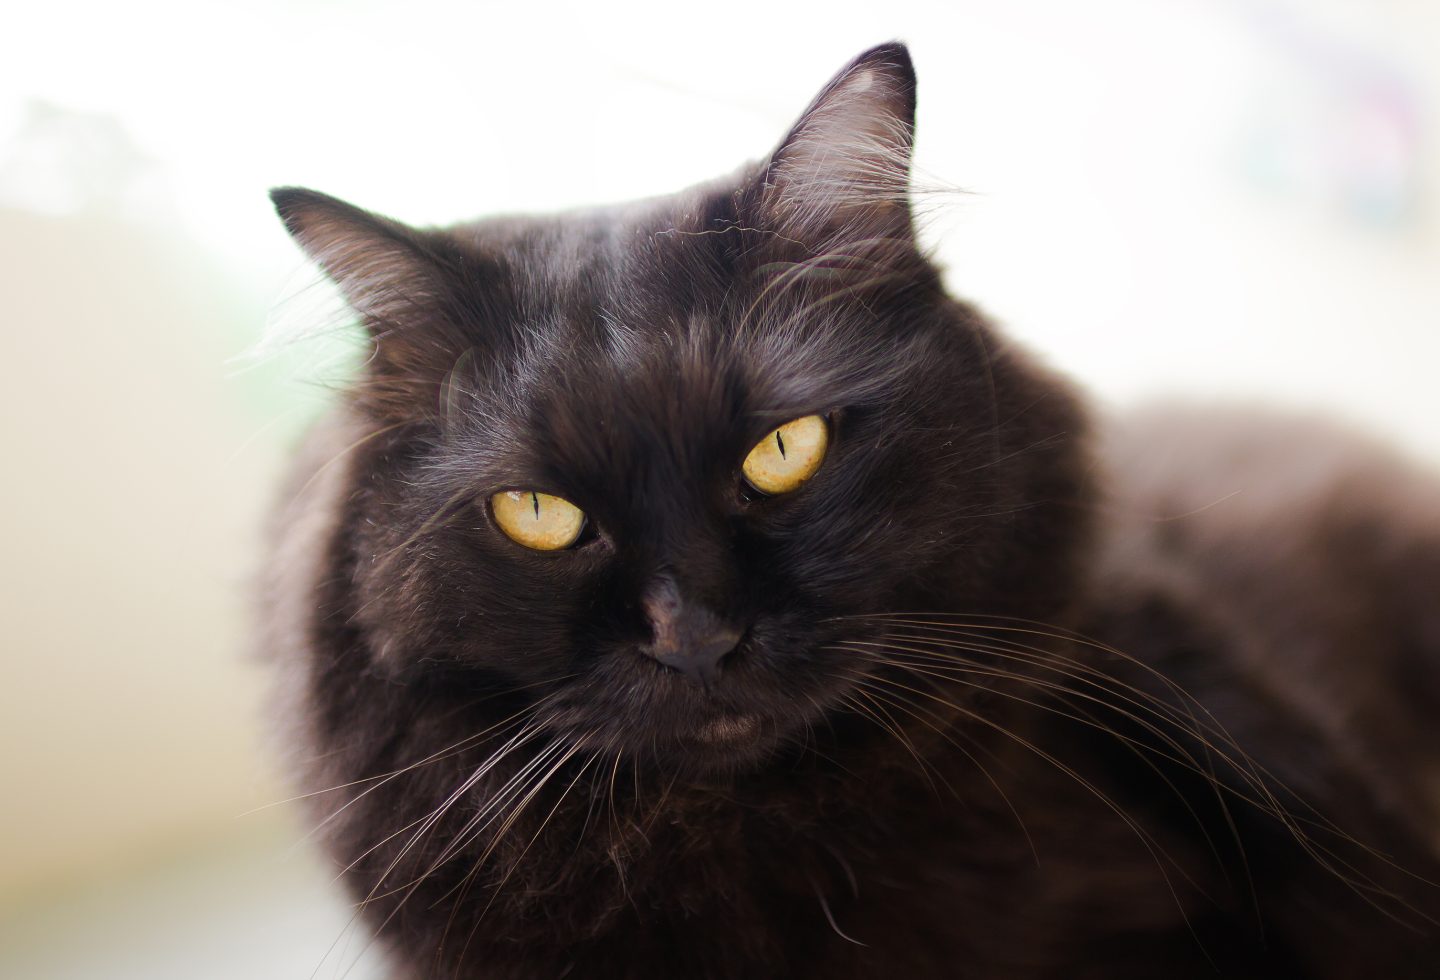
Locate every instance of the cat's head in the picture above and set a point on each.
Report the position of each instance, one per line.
(573, 481)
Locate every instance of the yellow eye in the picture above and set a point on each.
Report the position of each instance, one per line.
(789, 456)
(537, 520)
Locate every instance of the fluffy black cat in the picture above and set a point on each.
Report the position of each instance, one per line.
(693, 589)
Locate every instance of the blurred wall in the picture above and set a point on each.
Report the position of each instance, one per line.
(1216, 198)
(131, 509)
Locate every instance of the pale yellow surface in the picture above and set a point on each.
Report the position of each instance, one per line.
(133, 497)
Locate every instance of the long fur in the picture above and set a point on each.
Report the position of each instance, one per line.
(1010, 700)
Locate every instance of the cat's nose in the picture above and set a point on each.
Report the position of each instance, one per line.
(688, 637)
(699, 659)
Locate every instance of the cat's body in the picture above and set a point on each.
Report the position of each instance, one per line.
(1009, 698)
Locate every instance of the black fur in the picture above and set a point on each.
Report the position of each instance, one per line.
(912, 764)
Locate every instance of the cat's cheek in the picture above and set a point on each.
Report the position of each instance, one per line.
(498, 612)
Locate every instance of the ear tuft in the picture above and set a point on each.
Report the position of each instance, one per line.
(295, 204)
(379, 264)
(405, 286)
(845, 165)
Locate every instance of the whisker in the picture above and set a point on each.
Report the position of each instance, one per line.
(426, 822)
(499, 836)
(1259, 777)
(1157, 852)
(450, 752)
(341, 454)
(951, 668)
(1250, 772)
(1009, 804)
(877, 713)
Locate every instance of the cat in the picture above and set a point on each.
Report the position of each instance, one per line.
(694, 588)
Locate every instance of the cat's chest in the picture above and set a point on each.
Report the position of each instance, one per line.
(917, 878)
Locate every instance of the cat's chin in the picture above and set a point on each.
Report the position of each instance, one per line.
(702, 759)
(729, 729)
(724, 741)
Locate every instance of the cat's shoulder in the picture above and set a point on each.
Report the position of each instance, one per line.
(1288, 563)
(1278, 511)
(1247, 467)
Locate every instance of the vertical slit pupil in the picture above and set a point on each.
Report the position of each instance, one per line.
(780, 442)
(536, 499)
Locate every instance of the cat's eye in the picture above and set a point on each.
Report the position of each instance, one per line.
(537, 520)
(788, 456)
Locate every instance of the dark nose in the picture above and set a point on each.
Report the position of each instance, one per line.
(689, 637)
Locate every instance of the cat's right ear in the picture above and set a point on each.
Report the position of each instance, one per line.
(841, 176)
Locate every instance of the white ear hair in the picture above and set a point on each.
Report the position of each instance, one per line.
(847, 159)
(374, 260)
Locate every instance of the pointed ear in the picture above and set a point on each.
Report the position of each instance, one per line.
(416, 295)
(843, 172)
(381, 266)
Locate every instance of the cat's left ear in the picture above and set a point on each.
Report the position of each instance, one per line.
(842, 174)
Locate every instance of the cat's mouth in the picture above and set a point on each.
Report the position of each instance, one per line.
(743, 717)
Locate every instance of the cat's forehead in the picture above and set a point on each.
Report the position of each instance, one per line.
(621, 403)
(615, 301)
(638, 262)
(638, 343)
(630, 394)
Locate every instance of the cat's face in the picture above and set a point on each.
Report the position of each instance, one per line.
(619, 367)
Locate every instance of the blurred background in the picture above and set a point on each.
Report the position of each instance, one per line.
(1209, 198)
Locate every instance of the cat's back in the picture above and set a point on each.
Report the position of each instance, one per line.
(1313, 556)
